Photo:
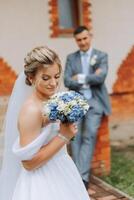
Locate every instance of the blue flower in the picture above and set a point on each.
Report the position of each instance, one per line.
(53, 115)
(62, 117)
(66, 98)
(66, 106)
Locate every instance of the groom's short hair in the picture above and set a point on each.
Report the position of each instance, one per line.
(80, 29)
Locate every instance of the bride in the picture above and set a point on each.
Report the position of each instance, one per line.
(36, 164)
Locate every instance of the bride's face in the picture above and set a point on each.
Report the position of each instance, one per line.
(46, 80)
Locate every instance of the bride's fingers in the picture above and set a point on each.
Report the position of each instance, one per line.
(75, 127)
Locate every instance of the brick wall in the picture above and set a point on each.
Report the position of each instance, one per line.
(122, 118)
(53, 10)
(7, 78)
(123, 100)
(123, 89)
(122, 106)
(101, 163)
(125, 75)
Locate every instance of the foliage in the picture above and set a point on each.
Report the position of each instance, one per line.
(122, 170)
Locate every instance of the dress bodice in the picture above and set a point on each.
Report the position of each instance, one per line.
(28, 151)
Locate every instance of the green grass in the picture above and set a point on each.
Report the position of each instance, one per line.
(122, 170)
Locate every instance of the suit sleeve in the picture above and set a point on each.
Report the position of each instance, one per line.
(94, 79)
(68, 73)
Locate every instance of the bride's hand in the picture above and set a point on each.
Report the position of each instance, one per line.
(46, 121)
(69, 130)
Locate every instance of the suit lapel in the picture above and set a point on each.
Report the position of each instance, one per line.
(91, 67)
(78, 64)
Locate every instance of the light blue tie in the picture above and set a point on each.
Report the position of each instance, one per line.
(86, 91)
(85, 67)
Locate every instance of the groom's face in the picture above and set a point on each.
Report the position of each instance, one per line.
(83, 40)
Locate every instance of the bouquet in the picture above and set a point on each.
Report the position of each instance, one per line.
(67, 106)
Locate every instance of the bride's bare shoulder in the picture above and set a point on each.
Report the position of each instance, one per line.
(30, 107)
(29, 122)
(30, 111)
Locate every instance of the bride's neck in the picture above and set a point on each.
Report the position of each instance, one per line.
(40, 97)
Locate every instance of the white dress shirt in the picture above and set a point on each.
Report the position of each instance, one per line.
(85, 60)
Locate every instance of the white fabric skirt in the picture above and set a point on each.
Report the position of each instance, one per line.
(58, 179)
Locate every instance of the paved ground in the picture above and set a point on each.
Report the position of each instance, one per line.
(99, 190)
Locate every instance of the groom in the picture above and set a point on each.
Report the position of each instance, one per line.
(85, 72)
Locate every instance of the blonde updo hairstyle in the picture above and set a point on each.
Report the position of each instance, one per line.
(39, 57)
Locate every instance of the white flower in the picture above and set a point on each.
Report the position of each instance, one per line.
(67, 110)
(93, 60)
(61, 106)
(46, 110)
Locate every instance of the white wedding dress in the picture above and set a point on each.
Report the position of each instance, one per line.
(58, 179)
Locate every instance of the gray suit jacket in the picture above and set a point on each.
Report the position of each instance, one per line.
(100, 97)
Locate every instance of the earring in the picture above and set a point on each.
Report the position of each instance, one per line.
(33, 84)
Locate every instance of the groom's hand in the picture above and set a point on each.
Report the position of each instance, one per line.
(98, 71)
(80, 78)
(75, 77)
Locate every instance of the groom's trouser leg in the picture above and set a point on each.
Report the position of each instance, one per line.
(76, 144)
(90, 129)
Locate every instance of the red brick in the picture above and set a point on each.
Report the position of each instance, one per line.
(7, 78)
(95, 164)
(126, 69)
(119, 109)
(53, 12)
(101, 159)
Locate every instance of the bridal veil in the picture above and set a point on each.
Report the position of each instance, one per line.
(10, 165)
